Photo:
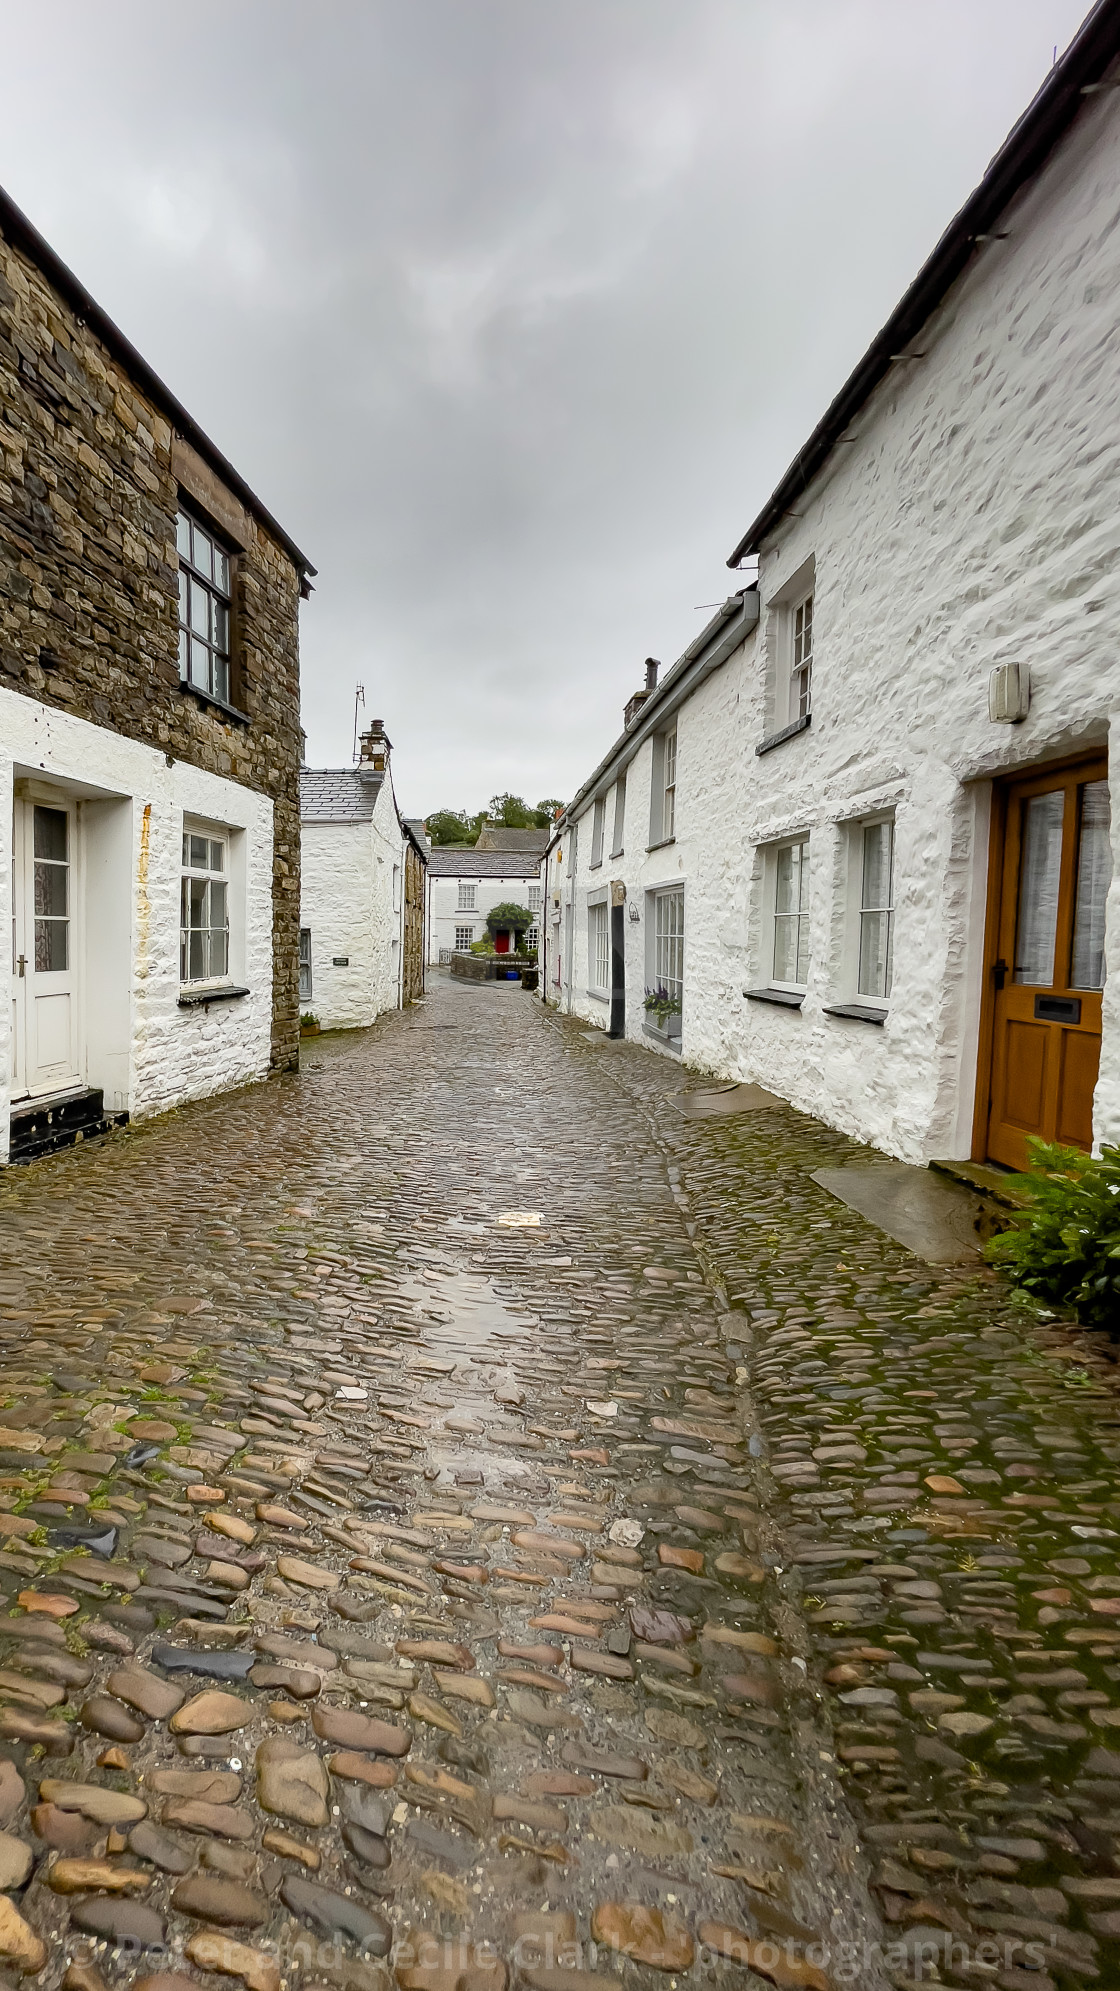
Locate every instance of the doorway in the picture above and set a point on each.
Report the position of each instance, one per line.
(1051, 866)
(618, 972)
(45, 1008)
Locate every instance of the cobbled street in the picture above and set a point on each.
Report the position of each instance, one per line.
(465, 1516)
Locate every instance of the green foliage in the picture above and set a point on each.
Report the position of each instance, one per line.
(483, 947)
(509, 915)
(1065, 1246)
(451, 826)
(659, 1003)
(308, 1021)
(509, 812)
(546, 810)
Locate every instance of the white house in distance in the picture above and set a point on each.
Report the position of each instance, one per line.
(465, 883)
(361, 894)
(859, 837)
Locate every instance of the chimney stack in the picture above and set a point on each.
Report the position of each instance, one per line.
(374, 748)
(635, 704)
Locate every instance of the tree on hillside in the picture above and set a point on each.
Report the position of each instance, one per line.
(546, 810)
(510, 812)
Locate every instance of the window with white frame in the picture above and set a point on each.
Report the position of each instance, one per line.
(598, 818)
(533, 939)
(305, 977)
(464, 938)
(669, 785)
(801, 659)
(876, 910)
(663, 788)
(204, 908)
(204, 609)
(533, 899)
(598, 948)
(668, 944)
(789, 964)
(468, 897)
(619, 815)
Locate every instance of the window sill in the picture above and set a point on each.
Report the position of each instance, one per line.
(598, 995)
(596, 864)
(661, 844)
(218, 704)
(659, 1037)
(785, 998)
(859, 1012)
(192, 997)
(617, 853)
(773, 740)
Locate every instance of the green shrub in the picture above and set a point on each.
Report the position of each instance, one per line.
(482, 947)
(1065, 1246)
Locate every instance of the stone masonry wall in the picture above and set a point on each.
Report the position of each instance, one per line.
(90, 472)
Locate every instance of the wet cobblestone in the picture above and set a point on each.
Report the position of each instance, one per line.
(463, 1521)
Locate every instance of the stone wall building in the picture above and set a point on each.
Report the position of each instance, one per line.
(149, 731)
(860, 835)
(361, 899)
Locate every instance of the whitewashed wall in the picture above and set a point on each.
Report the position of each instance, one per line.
(146, 1052)
(971, 517)
(352, 876)
(443, 903)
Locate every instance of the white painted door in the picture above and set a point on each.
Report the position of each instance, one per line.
(44, 989)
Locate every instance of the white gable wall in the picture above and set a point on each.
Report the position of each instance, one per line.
(350, 899)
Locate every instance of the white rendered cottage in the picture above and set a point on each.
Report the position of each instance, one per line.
(466, 882)
(865, 836)
(353, 907)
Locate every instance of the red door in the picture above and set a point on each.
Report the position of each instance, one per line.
(501, 941)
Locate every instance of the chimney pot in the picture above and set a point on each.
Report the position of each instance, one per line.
(652, 667)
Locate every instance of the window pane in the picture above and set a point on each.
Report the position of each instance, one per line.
(196, 902)
(52, 946)
(200, 664)
(184, 595)
(878, 840)
(219, 950)
(217, 854)
(183, 536)
(221, 570)
(220, 627)
(785, 947)
(217, 904)
(184, 654)
(220, 684)
(50, 834)
(195, 851)
(1094, 874)
(1040, 866)
(50, 890)
(875, 954)
(196, 955)
(200, 610)
(201, 550)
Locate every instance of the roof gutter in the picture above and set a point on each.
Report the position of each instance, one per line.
(22, 233)
(723, 635)
(1025, 149)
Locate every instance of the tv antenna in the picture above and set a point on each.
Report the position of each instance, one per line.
(359, 699)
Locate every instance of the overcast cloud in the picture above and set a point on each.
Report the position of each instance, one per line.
(513, 313)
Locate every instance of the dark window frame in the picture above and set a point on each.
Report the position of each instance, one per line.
(223, 676)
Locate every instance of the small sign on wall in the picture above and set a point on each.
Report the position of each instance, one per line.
(340, 960)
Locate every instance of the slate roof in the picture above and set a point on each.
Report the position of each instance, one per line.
(458, 860)
(415, 827)
(337, 795)
(503, 839)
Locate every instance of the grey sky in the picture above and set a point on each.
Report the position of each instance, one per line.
(512, 312)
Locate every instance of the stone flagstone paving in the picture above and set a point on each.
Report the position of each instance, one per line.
(465, 1523)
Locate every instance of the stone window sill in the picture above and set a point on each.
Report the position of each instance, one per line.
(192, 997)
(773, 740)
(858, 1012)
(216, 704)
(785, 998)
(597, 995)
(661, 844)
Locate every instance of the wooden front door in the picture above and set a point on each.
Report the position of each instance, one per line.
(1052, 862)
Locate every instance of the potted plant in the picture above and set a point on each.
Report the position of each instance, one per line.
(308, 1024)
(665, 1011)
